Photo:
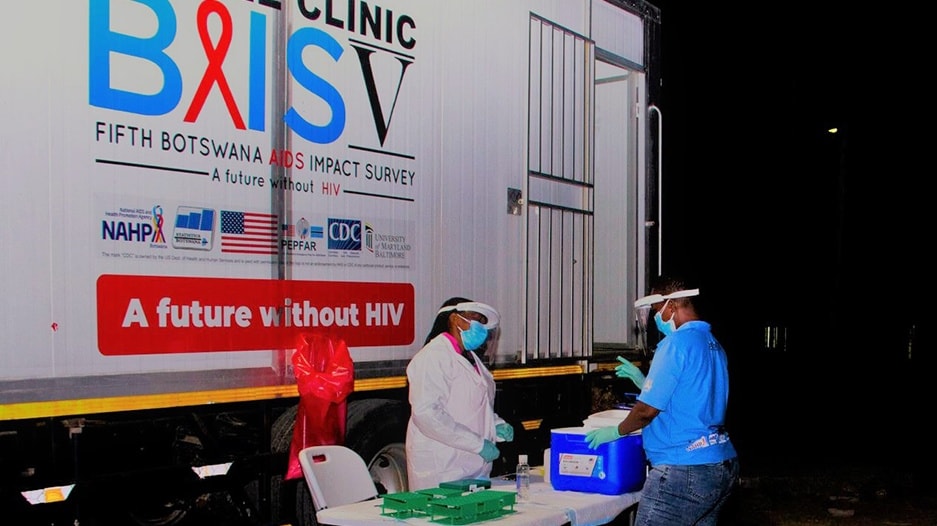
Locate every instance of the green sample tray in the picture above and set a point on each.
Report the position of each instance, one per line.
(473, 507)
(404, 504)
(449, 505)
(409, 503)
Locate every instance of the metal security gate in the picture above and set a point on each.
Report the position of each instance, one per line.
(588, 175)
(560, 189)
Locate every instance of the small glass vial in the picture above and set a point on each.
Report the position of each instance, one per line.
(522, 477)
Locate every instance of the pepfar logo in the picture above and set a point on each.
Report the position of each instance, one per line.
(344, 234)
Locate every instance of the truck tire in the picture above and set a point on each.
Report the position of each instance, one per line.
(376, 429)
(283, 493)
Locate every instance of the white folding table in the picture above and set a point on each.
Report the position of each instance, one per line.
(546, 507)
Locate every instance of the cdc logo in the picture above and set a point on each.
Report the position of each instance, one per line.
(344, 234)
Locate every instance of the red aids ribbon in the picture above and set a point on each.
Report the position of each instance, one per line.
(213, 72)
(158, 236)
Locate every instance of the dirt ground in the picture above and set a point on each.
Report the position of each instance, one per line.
(836, 496)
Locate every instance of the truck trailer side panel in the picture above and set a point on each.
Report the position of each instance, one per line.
(192, 185)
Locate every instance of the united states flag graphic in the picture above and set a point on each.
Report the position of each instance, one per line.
(248, 232)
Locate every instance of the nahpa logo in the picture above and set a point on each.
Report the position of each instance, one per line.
(344, 234)
(135, 67)
(134, 224)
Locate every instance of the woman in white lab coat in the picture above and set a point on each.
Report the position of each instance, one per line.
(453, 426)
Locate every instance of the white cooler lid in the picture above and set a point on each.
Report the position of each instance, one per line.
(571, 430)
(582, 430)
(607, 418)
(611, 417)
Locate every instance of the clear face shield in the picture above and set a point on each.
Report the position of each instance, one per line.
(641, 316)
(644, 312)
(489, 349)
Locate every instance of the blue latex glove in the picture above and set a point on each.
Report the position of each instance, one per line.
(505, 432)
(489, 451)
(603, 435)
(628, 370)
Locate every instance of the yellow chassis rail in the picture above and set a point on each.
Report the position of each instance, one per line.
(84, 406)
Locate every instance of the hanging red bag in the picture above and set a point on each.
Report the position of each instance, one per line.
(325, 377)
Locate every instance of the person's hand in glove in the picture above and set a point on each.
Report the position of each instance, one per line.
(489, 451)
(600, 436)
(628, 370)
(505, 432)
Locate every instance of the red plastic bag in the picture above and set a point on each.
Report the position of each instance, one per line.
(325, 377)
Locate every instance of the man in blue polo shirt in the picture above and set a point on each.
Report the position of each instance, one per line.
(681, 411)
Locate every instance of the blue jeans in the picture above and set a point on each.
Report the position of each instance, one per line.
(692, 495)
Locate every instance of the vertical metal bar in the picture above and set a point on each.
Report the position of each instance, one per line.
(540, 214)
(540, 106)
(526, 302)
(280, 199)
(588, 176)
(563, 121)
(563, 261)
(660, 188)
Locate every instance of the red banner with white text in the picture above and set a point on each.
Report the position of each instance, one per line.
(160, 314)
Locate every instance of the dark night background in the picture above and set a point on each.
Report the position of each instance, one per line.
(783, 224)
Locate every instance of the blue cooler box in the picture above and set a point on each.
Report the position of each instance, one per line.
(614, 468)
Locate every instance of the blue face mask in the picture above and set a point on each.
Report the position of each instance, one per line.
(665, 327)
(475, 336)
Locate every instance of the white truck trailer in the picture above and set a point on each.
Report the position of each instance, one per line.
(190, 185)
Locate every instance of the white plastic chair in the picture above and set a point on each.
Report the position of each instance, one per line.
(336, 475)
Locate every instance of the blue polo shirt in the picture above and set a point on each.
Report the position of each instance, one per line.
(689, 383)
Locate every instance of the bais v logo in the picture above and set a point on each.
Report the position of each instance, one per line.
(239, 61)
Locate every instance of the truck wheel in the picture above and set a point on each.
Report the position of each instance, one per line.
(284, 507)
(377, 430)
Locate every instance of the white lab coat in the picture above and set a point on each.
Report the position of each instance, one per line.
(452, 413)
